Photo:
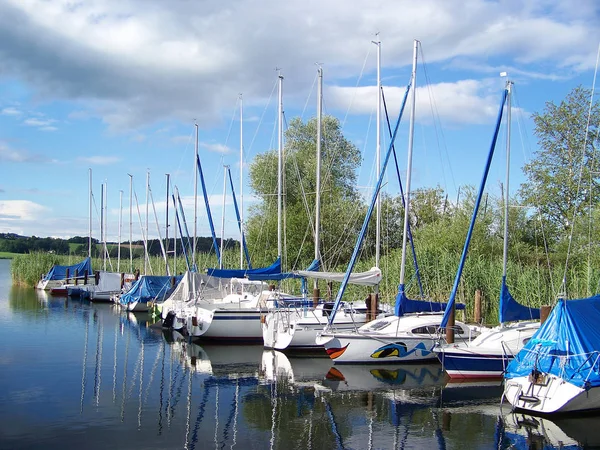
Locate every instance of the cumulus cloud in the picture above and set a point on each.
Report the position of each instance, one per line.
(465, 101)
(132, 63)
(23, 210)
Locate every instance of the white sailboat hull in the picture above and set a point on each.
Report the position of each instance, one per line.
(225, 324)
(296, 329)
(488, 354)
(393, 339)
(549, 395)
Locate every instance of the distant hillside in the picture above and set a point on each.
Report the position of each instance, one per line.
(78, 245)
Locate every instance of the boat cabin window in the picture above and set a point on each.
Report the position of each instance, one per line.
(433, 329)
(428, 329)
(378, 325)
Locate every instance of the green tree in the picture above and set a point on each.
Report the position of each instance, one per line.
(341, 209)
(562, 178)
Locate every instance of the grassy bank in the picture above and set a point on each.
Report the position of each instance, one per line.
(533, 284)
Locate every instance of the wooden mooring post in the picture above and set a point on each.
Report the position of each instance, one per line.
(450, 326)
(544, 312)
(316, 296)
(477, 311)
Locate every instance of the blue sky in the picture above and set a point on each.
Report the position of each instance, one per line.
(115, 86)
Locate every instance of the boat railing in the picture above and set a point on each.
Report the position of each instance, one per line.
(595, 356)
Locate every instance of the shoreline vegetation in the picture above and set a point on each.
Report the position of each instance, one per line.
(532, 285)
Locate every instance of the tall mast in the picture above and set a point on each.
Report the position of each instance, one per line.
(378, 154)
(175, 239)
(90, 217)
(318, 178)
(195, 198)
(241, 183)
(223, 215)
(130, 222)
(168, 176)
(409, 165)
(147, 235)
(102, 230)
(280, 165)
(120, 227)
(507, 177)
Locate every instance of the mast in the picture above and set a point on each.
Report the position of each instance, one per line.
(102, 231)
(175, 239)
(130, 222)
(241, 183)
(120, 227)
(147, 235)
(378, 155)
(168, 176)
(223, 215)
(507, 177)
(318, 178)
(409, 166)
(279, 165)
(90, 217)
(195, 199)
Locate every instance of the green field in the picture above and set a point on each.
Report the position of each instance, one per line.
(7, 255)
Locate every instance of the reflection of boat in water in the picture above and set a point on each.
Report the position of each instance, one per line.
(372, 378)
(275, 366)
(471, 393)
(223, 361)
(523, 431)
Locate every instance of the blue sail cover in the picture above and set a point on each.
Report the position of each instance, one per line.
(149, 288)
(60, 272)
(313, 267)
(405, 305)
(566, 345)
(273, 269)
(511, 310)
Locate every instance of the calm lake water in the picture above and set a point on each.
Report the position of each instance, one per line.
(76, 375)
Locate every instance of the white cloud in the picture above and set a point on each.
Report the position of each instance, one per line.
(461, 102)
(22, 210)
(216, 148)
(133, 63)
(10, 154)
(11, 111)
(100, 160)
(35, 122)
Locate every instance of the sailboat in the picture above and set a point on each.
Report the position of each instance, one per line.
(234, 316)
(558, 370)
(411, 333)
(489, 353)
(294, 326)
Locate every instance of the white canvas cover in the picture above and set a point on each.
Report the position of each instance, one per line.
(371, 277)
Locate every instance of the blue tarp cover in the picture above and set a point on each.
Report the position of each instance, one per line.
(511, 310)
(60, 272)
(273, 269)
(404, 305)
(566, 345)
(314, 266)
(149, 287)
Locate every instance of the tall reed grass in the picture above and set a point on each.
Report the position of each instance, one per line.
(532, 284)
